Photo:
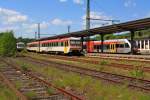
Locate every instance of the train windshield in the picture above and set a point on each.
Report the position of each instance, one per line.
(21, 45)
(75, 42)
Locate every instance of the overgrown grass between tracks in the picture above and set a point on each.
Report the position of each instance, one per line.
(93, 89)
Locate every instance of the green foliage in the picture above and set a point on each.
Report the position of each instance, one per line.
(24, 67)
(50, 91)
(18, 84)
(103, 62)
(138, 34)
(6, 93)
(7, 44)
(24, 40)
(138, 72)
(31, 94)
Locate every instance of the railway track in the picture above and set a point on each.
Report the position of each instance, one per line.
(112, 64)
(138, 58)
(114, 78)
(32, 86)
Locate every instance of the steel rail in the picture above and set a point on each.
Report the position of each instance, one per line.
(68, 94)
(97, 74)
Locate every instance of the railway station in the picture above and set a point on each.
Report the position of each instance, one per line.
(131, 26)
(108, 59)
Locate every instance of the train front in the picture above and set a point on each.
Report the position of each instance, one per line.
(75, 45)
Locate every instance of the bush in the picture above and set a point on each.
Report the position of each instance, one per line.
(7, 44)
(24, 67)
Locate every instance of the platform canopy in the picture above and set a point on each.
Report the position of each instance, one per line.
(135, 25)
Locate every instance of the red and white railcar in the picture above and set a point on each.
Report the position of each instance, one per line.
(64, 45)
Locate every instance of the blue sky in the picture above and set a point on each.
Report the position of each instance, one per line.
(22, 16)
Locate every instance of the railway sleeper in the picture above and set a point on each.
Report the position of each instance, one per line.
(52, 97)
(33, 89)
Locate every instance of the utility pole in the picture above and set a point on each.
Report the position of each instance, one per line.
(87, 25)
(88, 15)
(39, 35)
(35, 35)
(68, 28)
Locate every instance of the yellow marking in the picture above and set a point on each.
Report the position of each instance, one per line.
(65, 49)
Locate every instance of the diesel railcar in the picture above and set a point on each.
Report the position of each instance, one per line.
(20, 46)
(64, 45)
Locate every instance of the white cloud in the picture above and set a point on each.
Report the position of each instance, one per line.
(74, 1)
(129, 3)
(31, 28)
(78, 1)
(59, 22)
(63, 0)
(9, 28)
(8, 16)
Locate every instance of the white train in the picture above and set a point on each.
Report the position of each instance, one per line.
(65, 45)
(20, 46)
(110, 46)
(143, 45)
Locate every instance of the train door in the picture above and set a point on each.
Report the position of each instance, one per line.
(113, 48)
(90, 46)
(65, 46)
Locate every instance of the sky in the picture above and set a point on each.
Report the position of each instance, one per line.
(54, 16)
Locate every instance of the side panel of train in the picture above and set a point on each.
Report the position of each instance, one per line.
(143, 46)
(109, 46)
(68, 45)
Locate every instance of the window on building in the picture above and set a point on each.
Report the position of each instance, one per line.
(146, 44)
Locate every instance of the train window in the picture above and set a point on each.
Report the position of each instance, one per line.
(121, 45)
(126, 45)
(108, 46)
(117, 45)
(61, 43)
(95, 46)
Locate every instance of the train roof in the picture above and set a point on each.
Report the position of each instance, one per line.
(55, 40)
(20, 42)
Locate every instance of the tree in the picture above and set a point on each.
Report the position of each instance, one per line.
(7, 44)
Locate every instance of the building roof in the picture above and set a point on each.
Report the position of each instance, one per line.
(135, 25)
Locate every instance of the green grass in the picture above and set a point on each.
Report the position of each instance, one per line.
(30, 95)
(6, 93)
(101, 67)
(93, 89)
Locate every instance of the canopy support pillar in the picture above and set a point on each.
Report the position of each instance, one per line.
(132, 42)
(102, 43)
